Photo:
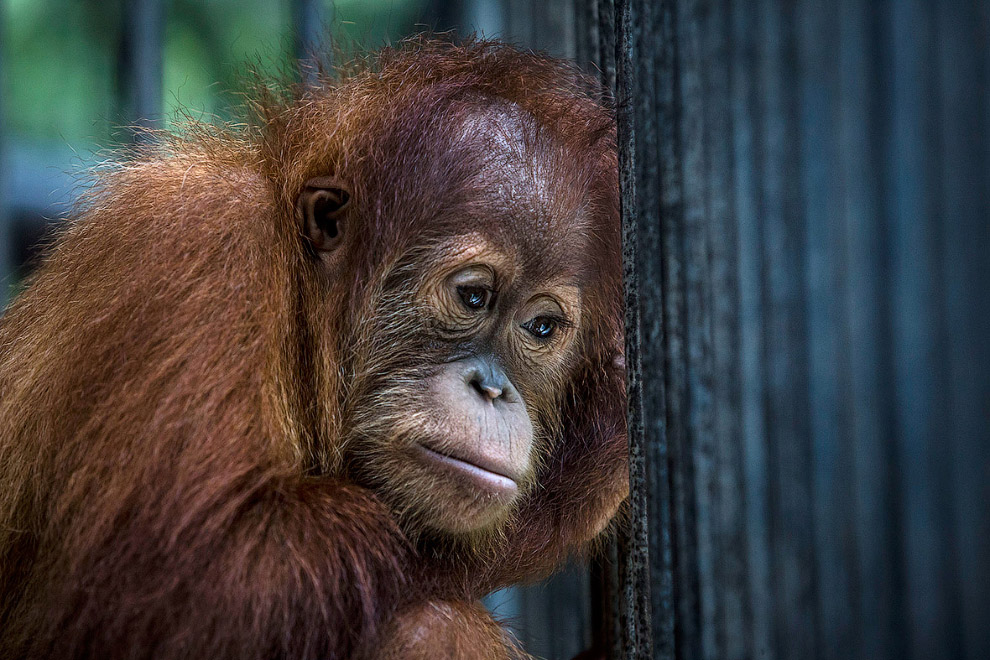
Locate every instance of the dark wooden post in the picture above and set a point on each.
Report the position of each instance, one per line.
(806, 199)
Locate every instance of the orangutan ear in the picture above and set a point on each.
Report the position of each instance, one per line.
(320, 209)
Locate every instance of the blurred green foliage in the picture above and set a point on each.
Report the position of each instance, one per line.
(59, 57)
(58, 62)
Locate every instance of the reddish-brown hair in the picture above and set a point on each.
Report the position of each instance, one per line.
(172, 380)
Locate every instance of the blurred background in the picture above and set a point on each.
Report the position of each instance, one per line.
(76, 73)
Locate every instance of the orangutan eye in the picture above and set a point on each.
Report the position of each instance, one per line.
(475, 297)
(542, 327)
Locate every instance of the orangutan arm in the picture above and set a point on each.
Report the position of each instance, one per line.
(442, 630)
(270, 567)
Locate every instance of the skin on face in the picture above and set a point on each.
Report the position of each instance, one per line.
(459, 434)
(454, 437)
(508, 338)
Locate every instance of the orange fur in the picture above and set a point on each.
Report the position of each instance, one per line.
(177, 381)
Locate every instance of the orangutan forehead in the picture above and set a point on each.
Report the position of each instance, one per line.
(501, 126)
(509, 140)
(512, 258)
(523, 168)
(505, 176)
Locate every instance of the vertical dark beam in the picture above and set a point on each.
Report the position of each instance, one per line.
(649, 606)
(632, 545)
(725, 578)
(817, 268)
(657, 184)
(826, 267)
(714, 579)
(634, 622)
(825, 283)
(671, 363)
(6, 244)
(442, 15)
(140, 62)
(964, 105)
(311, 35)
(786, 404)
(920, 332)
(744, 106)
(864, 65)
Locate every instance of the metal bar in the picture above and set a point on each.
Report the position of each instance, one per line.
(6, 230)
(864, 66)
(311, 35)
(964, 105)
(920, 333)
(442, 15)
(140, 63)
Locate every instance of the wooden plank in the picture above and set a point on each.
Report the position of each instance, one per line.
(813, 313)
(862, 134)
(726, 614)
(920, 333)
(823, 186)
(964, 105)
(645, 416)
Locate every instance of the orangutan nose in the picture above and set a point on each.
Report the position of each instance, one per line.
(489, 380)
